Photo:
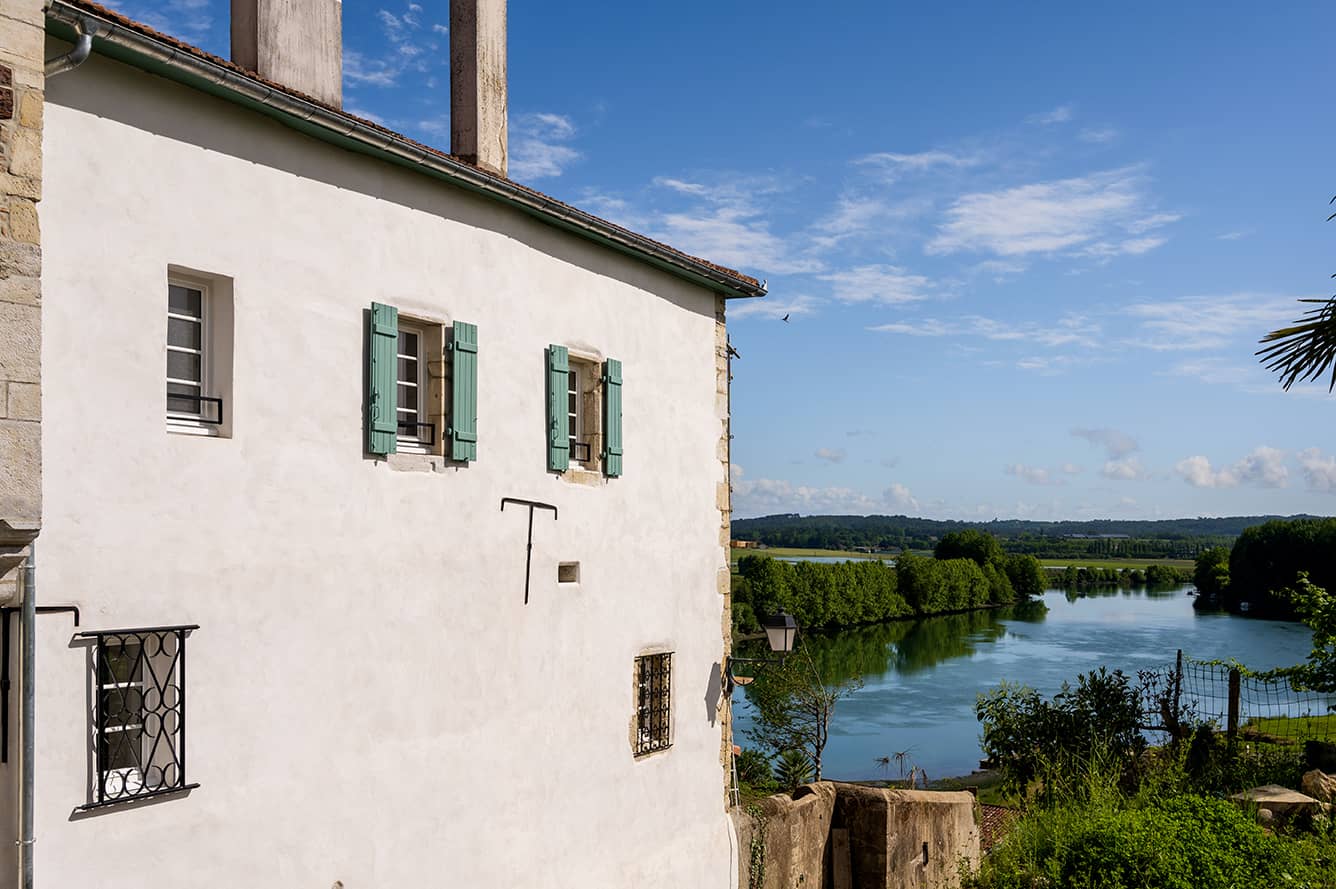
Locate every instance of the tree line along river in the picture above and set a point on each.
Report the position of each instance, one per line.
(921, 677)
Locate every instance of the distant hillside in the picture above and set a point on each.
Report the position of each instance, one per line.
(1180, 538)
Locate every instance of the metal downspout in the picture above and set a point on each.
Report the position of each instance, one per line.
(78, 54)
(29, 727)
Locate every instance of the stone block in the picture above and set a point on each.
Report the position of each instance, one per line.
(25, 401)
(4, 400)
(6, 103)
(30, 109)
(23, 224)
(724, 582)
(20, 343)
(22, 291)
(20, 260)
(22, 41)
(1319, 785)
(20, 474)
(721, 493)
(20, 186)
(25, 153)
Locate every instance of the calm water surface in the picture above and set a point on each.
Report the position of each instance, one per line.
(921, 677)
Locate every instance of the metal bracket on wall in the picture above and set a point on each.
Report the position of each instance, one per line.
(528, 550)
(4, 665)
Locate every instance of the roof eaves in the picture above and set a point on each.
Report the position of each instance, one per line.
(136, 44)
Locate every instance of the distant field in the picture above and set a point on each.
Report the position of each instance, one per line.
(789, 552)
(1296, 727)
(1116, 563)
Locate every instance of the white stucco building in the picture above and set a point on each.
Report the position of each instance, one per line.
(290, 366)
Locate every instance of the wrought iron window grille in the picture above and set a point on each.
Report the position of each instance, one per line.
(139, 713)
(654, 677)
(411, 428)
(199, 401)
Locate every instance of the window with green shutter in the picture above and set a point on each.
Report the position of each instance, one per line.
(612, 418)
(464, 392)
(382, 417)
(558, 419)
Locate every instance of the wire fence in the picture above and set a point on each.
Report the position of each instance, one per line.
(1258, 708)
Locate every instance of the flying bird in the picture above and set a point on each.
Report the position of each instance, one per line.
(785, 319)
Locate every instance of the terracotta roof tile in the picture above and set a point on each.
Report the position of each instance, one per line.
(129, 23)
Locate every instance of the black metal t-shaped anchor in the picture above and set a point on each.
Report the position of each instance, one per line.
(528, 550)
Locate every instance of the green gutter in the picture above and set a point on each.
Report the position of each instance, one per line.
(153, 56)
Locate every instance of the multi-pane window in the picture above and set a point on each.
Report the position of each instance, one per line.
(187, 363)
(574, 397)
(415, 433)
(139, 710)
(654, 679)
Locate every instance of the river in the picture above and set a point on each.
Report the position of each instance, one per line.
(921, 678)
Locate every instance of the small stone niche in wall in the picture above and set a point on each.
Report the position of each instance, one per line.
(568, 572)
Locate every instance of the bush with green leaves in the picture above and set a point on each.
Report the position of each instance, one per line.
(1034, 739)
(754, 769)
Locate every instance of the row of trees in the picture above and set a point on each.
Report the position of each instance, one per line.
(1074, 578)
(969, 571)
(1265, 563)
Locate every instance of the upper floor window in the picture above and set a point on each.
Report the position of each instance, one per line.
(422, 386)
(188, 397)
(654, 702)
(584, 413)
(199, 352)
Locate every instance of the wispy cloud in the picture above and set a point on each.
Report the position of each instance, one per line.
(1098, 135)
(541, 146)
(1126, 469)
(1230, 236)
(1115, 443)
(1195, 323)
(1061, 114)
(1048, 217)
(830, 455)
(763, 495)
(411, 45)
(886, 284)
(890, 166)
(190, 20)
(1070, 330)
(1034, 475)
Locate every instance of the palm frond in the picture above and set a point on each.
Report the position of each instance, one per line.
(1307, 349)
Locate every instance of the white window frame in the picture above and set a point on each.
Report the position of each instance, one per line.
(414, 443)
(574, 418)
(193, 421)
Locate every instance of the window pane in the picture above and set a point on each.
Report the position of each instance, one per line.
(408, 370)
(121, 750)
(185, 300)
(183, 366)
(408, 398)
(181, 404)
(183, 333)
(121, 663)
(408, 343)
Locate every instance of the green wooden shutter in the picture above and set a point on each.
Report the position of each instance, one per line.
(558, 428)
(382, 398)
(464, 392)
(612, 417)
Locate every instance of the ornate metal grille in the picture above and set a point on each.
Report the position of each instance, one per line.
(139, 713)
(654, 685)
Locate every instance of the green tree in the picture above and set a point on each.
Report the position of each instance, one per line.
(1317, 608)
(979, 546)
(794, 705)
(1027, 575)
(1211, 573)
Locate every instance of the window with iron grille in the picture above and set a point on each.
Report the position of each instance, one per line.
(654, 685)
(139, 713)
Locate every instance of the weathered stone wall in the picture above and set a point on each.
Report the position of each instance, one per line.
(846, 836)
(22, 45)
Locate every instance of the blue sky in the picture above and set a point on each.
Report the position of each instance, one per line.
(1026, 249)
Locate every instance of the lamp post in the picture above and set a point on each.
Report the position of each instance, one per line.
(780, 631)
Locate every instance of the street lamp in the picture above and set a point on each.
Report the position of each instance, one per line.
(780, 631)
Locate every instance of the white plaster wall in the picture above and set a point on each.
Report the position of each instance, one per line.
(370, 701)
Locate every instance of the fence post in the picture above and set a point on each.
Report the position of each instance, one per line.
(1232, 726)
(1178, 696)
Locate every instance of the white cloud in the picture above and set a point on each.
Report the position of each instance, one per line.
(899, 497)
(1061, 114)
(405, 52)
(891, 166)
(830, 455)
(1097, 135)
(190, 20)
(1035, 475)
(1070, 330)
(1155, 220)
(1125, 470)
(762, 496)
(1211, 370)
(1045, 217)
(440, 29)
(1116, 444)
(1264, 467)
(1072, 469)
(1195, 323)
(1319, 471)
(771, 307)
(539, 149)
(886, 284)
(1230, 236)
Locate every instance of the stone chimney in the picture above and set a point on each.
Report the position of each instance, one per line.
(296, 43)
(478, 83)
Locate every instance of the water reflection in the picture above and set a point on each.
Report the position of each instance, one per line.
(921, 677)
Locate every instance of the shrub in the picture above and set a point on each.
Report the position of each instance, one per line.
(793, 770)
(754, 769)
